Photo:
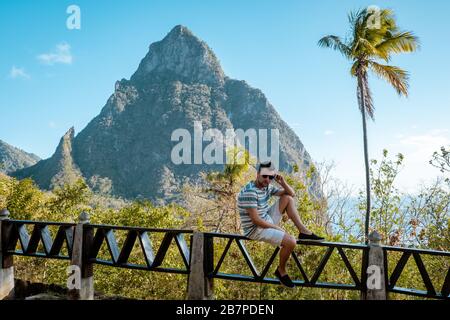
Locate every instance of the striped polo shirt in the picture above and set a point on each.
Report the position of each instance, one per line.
(252, 197)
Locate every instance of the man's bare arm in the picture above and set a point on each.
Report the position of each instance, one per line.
(287, 189)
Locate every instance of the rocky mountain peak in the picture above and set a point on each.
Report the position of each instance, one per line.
(180, 31)
(57, 170)
(181, 56)
(64, 148)
(128, 147)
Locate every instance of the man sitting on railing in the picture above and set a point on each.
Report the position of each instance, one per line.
(261, 222)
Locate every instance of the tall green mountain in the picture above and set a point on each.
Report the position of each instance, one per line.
(127, 147)
(12, 158)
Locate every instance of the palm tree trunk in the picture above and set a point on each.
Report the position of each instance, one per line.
(366, 155)
(366, 161)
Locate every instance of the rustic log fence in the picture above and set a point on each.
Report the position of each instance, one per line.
(84, 240)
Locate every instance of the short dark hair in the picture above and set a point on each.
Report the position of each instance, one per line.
(265, 164)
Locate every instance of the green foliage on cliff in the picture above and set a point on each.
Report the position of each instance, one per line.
(422, 221)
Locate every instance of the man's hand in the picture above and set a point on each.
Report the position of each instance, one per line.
(286, 188)
(279, 178)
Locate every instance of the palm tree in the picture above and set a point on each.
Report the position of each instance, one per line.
(370, 41)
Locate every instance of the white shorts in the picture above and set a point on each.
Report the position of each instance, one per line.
(270, 235)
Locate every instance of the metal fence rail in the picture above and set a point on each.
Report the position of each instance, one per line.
(213, 269)
(19, 241)
(417, 254)
(119, 256)
(15, 232)
(82, 244)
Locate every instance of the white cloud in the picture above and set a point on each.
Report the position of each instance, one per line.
(328, 132)
(432, 140)
(16, 73)
(62, 55)
(418, 151)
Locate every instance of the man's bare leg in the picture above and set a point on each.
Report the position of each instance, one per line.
(287, 246)
(287, 203)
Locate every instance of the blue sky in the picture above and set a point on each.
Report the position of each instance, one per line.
(52, 78)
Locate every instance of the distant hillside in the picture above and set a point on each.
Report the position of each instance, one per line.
(12, 158)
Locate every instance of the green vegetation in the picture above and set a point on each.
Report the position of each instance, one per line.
(26, 202)
(421, 219)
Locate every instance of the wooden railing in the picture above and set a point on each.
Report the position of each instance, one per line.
(81, 243)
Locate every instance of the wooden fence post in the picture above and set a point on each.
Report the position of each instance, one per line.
(376, 284)
(200, 287)
(6, 260)
(82, 242)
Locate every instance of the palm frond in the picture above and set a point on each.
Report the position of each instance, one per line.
(373, 26)
(365, 96)
(335, 43)
(379, 22)
(387, 21)
(396, 76)
(356, 20)
(368, 49)
(353, 16)
(398, 43)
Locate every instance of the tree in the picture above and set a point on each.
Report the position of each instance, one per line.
(70, 199)
(441, 160)
(374, 36)
(337, 202)
(429, 213)
(24, 200)
(214, 199)
(387, 216)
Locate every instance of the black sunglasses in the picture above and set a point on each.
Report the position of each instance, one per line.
(267, 176)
